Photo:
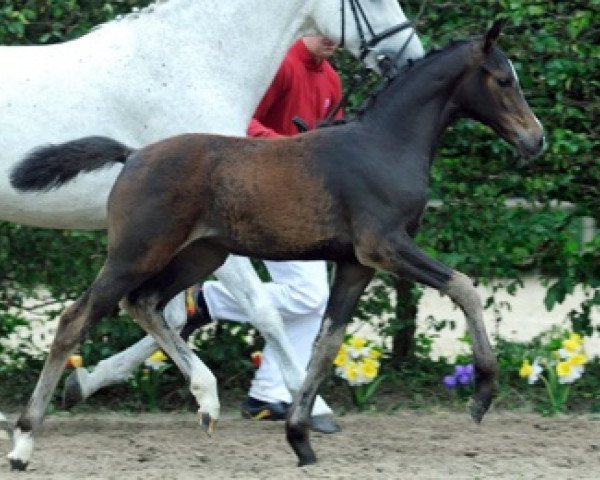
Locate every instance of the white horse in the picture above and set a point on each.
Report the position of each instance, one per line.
(176, 66)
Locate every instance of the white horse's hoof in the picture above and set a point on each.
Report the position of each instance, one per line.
(22, 450)
(17, 465)
(208, 423)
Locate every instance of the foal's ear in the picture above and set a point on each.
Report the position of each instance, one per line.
(493, 33)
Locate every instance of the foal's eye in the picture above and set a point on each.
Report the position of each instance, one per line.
(504, 82)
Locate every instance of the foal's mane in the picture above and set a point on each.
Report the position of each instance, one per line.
(406, 72)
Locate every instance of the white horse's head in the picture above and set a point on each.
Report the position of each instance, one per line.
(368, 29)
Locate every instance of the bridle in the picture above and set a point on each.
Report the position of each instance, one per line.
(386, 65)
(362, 23)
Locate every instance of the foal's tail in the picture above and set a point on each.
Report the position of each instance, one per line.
(51, 166)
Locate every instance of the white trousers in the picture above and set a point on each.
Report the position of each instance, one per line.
(299, 291)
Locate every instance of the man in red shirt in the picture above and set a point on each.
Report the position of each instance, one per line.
(308, 87)
(305, 86)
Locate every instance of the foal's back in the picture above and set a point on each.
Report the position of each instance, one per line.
(247, 193)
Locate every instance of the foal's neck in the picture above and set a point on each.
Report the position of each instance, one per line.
(418, 106)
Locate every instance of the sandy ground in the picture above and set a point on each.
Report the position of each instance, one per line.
(403, 445)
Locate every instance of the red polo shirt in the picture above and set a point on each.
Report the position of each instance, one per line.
(301, 87)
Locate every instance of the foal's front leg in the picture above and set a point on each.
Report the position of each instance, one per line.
(349, 282)
(402, 257)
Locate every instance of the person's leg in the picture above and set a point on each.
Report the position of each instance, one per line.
(299, 291)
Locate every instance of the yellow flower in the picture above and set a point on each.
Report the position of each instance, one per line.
(357, 342)
(526, 369)
(573, 343)
(563, 369)
(577, 360)
(576, 338)
(158, 356)
(341, 358)
(156, 361)
(351, 372)
(368, 368)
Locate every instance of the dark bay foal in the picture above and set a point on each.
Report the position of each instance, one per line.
(352, 194)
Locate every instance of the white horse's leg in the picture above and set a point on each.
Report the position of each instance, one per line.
(118, 368)
(203, 384)
(239, 277)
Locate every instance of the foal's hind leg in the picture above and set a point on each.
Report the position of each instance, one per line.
(349, 282)
(81, 384)
(191, 264)
(100, 299)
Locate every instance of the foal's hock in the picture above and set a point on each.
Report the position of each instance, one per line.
(352, 194)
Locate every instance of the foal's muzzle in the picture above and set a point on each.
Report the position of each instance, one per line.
(531, 146)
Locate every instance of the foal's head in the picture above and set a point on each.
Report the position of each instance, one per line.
(490, 93)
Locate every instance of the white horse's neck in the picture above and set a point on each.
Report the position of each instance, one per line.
(225, 44)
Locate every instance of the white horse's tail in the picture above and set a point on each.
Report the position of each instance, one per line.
(51, 166)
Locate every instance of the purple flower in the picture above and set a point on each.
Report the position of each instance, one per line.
(464, 371)
(463, 375)
(450, 381)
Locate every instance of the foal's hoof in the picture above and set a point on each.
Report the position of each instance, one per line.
(208, 423)
(477, 409)
(73, 390)
(297, 437)
(19, 465)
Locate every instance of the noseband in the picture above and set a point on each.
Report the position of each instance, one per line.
(360, 18)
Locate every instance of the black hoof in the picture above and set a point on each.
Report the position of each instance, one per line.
(310, 460)
(297, 437)
(72, 393)
(477, 409)
(19, 465)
